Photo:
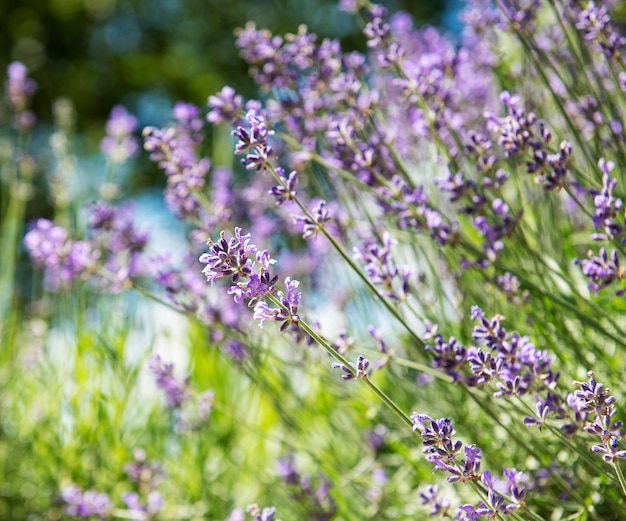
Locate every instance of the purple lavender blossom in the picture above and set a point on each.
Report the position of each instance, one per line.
(19, 90)
(607, 207)
(120, 145)
(286, 191)
(450, 356)
(600, 406)
(225, 106)
(249, 270)
(595, 25)
(357, 371)
(439, 506)
(268, 514)
(446, 455)
(176, 391)
(174, 149)
(381, 269)
(62, 259)
(287, 313)
(253, 141)
(143, 512)
(312, 225)
(602, 270)
(86, 504)
(146, 474)
(229, 258)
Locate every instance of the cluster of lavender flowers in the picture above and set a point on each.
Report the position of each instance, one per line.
(312, 494)
(19, 89)
(142, 505)
(120, 143)
(62, 259)
(367, 120)
(518, 368)
(112, 253)
(192, 412)
(249, 271)
(175, 150)
(511, 361)
(463, 465)
(593, 403)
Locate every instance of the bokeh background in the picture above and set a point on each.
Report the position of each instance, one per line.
(146, 54)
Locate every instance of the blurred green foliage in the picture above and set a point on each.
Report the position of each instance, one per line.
(147, 54)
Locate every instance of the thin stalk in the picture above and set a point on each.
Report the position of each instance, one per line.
(350, 261)
(344, 362)
(620, 476)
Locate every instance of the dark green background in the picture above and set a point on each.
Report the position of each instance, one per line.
(147, 54)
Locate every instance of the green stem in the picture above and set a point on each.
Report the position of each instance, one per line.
(350, 261)
(620, 476)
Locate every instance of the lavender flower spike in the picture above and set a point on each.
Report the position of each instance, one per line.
(176, 391)
(266, 515)
(88, 504)
(228, 258)
(119, 145)
(288, 313)
(251, 278)
(596, 401)
(253, 141)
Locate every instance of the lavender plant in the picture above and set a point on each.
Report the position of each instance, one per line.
(384, 202)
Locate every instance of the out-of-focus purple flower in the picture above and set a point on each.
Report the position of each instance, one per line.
(86, 504)
(268, 514)
(609, 210)
(595, 25)
(114, 232)
(381, 269)
(412, 208)
(520, 135)
(376, 438)
(521, 14)
(236, 351)
(225, 106)
(175, 150)
(144, 473)
(312, 493)
(320, 216)
(190, 122)
(237, 515)
(602, 270)
(62, 259)
(19, 90)
(439, 506)
(119, 145)
(511, 287)
(176, 391)
(143, 512)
